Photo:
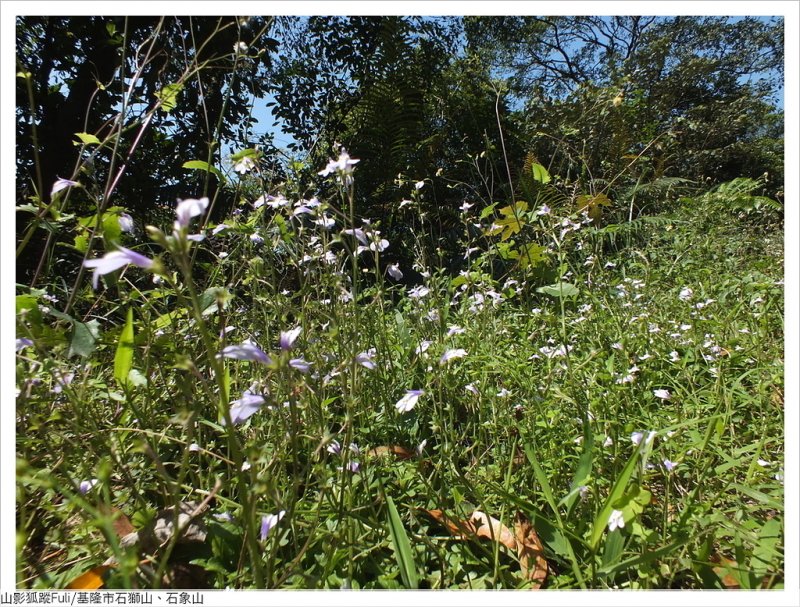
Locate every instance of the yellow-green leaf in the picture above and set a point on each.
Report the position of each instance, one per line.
(540, 173)
(204, 166)
(123, 359)
(168, 96)
(593, 203)
(87, 139)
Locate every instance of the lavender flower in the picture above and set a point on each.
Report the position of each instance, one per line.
(360, 234)
(246, 351)
(86, 486)
(670, 466)
(451, 354)
(418, 292)
(409, 401)
(365, 359)
(243, 165)
(288, 338)
(187, 209)
(115, 260)
(62, 184)
(125, 222)
(343, 167)
(268, 522)
(22, 343)
(394, 271)
(300, 364)
(244, 407)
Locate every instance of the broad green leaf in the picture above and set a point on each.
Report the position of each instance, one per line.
(123, 359)
(87, 139)
(84, 337)
(204, 166)
(511, 222)
(81, 243)
(507, 251)
(540, 173)
(532, 255)
(632, 503)
(30, 305)
(767, 548)
(212, 298)
(168, 96)
(135, 378)
(487, 211)
(402, 547)
(111, 228)
(592, 204)
(515, 211)
(559, 289)
(458, 281)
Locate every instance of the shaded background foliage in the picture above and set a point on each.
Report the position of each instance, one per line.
(605, 103)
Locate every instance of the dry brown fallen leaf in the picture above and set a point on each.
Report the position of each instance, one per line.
(396, 450)
(726, 570)
(186, 520)
(120, 522)
(524, 540)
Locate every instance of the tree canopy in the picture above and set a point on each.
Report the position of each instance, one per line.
(452, 102)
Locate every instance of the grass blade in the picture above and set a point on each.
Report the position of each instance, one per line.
(402, 547)
(616, 492)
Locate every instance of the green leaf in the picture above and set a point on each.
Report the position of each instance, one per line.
(616, 493)
(767, 548)
(582, 472)
(487, 211)
(84, 337)
(765, 499)
(613, 548)
(81, 243)
(402, 547)
(632, 503)
(532, 255)
(212, 298)
(168, 95)
(87, 139)
(123, 359)
(541, 478)
(245, 153)
(559, 289)
(135, 378)
(30, 305)
(592, 204)
(540, 173)
(511, 222)
(111, 228)
(204, 166)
